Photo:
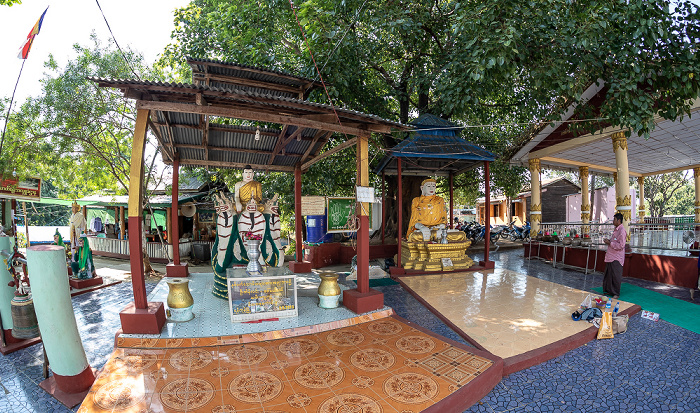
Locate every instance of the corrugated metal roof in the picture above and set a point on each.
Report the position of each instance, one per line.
(238, 70)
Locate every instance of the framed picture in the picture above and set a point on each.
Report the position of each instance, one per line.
(206, 217)
(257, 298)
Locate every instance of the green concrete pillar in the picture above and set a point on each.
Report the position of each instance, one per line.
(6, 292)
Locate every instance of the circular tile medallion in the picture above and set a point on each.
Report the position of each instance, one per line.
(350, 403)
(186, 394)
(190, 359)
(299, 400)
(415, 344)
(299, 347)
(345, 338)
(246, 354)
(139, 362)
(318, 375)
(372, 359)
(118, 394)
(410, 388)
(385, 328)
(255, 387)
(363, 382)
(225, 408)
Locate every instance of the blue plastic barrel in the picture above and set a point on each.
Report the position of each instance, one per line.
(316, 229)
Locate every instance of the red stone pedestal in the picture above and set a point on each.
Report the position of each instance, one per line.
(83, 381)
(488, 265)
(13, 344)
(300, 267)
(176, 270)
(363, 302)
(143, 320)
(90, 282)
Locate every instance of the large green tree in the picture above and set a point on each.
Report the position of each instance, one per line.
(501, 67)
(76, 134)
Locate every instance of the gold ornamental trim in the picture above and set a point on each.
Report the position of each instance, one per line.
(627, 215)
(640, 181)
(534, 165)
(624, 201)
(619, 141)
(696, 172)
(535, 218)
(615, 177)
(641, 213)
(585, 216)
(697, 203)
(536, 207)
(583, 172)
(586, 207)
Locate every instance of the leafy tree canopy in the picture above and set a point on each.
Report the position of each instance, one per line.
(9, 2)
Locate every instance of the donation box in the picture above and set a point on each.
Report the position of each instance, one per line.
(261, 298)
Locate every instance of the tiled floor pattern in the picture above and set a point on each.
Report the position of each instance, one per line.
(213, 319)
(505, 312)
(379, 366)
(652, 367)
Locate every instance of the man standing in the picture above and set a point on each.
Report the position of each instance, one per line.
(614, 258)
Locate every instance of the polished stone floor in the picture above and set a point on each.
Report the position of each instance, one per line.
(655, 366)
(505, 312)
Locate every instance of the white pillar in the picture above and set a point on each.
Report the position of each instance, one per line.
(622, 186)
(640, 211)
(535, 199)
(54, 312)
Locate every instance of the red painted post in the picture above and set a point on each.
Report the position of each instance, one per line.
(297, 214)
(175, 231)
(399, 206)
(487, 212)
(383, 204)
(452, 219)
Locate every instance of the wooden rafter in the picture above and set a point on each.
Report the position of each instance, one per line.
(214, 127)
(170, 134)
(283, 143)
(166, 149)
(204, 122)
(219, 164)
(248, 69)
(249, 83)
(227, 149)
(285, 119)
(329, 152)
(318, 136)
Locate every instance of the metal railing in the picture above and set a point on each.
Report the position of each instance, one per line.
(154, 249)
(670, 235)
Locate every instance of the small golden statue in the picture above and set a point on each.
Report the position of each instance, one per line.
(430, 245)
(246, 190)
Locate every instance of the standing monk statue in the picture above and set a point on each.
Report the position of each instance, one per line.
(246, 190)
(427, 211)
(77, 227)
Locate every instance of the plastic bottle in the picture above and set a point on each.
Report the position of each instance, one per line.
(608, 306)
(617, 308)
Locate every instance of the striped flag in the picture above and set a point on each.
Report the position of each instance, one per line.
(24, 50)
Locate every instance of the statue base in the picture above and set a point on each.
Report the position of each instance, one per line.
(426, 256)
(176, 270)
(79, 284)
(143, 320)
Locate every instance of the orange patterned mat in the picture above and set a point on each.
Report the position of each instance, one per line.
(384, 365)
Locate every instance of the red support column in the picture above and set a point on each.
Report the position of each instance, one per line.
(383, 205)
(486, 263)
(298, 266)
(452, 219)
(399, 206)
(139, 317)
(175, 269)
(363, 299)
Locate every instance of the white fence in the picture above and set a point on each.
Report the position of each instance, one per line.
(154, 249)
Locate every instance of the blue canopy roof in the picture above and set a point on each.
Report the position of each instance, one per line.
(435, 148)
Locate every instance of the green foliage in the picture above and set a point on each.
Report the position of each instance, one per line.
(664, 193)
(499, 65)
(75, 132)
(683, 203)
(9, 2)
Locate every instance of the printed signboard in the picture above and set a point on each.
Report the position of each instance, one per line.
(26, 188)
(257, 298)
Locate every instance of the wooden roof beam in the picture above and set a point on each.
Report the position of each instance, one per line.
(249, 83)
(282, 144)
(318, 136)
(227, 149)
(329, 152)
(166, 149)
(204, 122)
(214, 127)
(246, 69)
(283, 119)
(238, 165)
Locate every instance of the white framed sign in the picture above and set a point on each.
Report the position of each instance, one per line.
(258, 298)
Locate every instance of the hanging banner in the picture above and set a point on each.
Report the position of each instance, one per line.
(27, 188)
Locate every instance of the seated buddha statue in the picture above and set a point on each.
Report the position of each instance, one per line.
(427, 211)
(246, 190)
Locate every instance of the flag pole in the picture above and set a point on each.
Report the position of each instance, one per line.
(9, 108)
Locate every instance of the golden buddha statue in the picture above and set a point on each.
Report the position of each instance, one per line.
(427, 211)
(246, 190)
(430, 245)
